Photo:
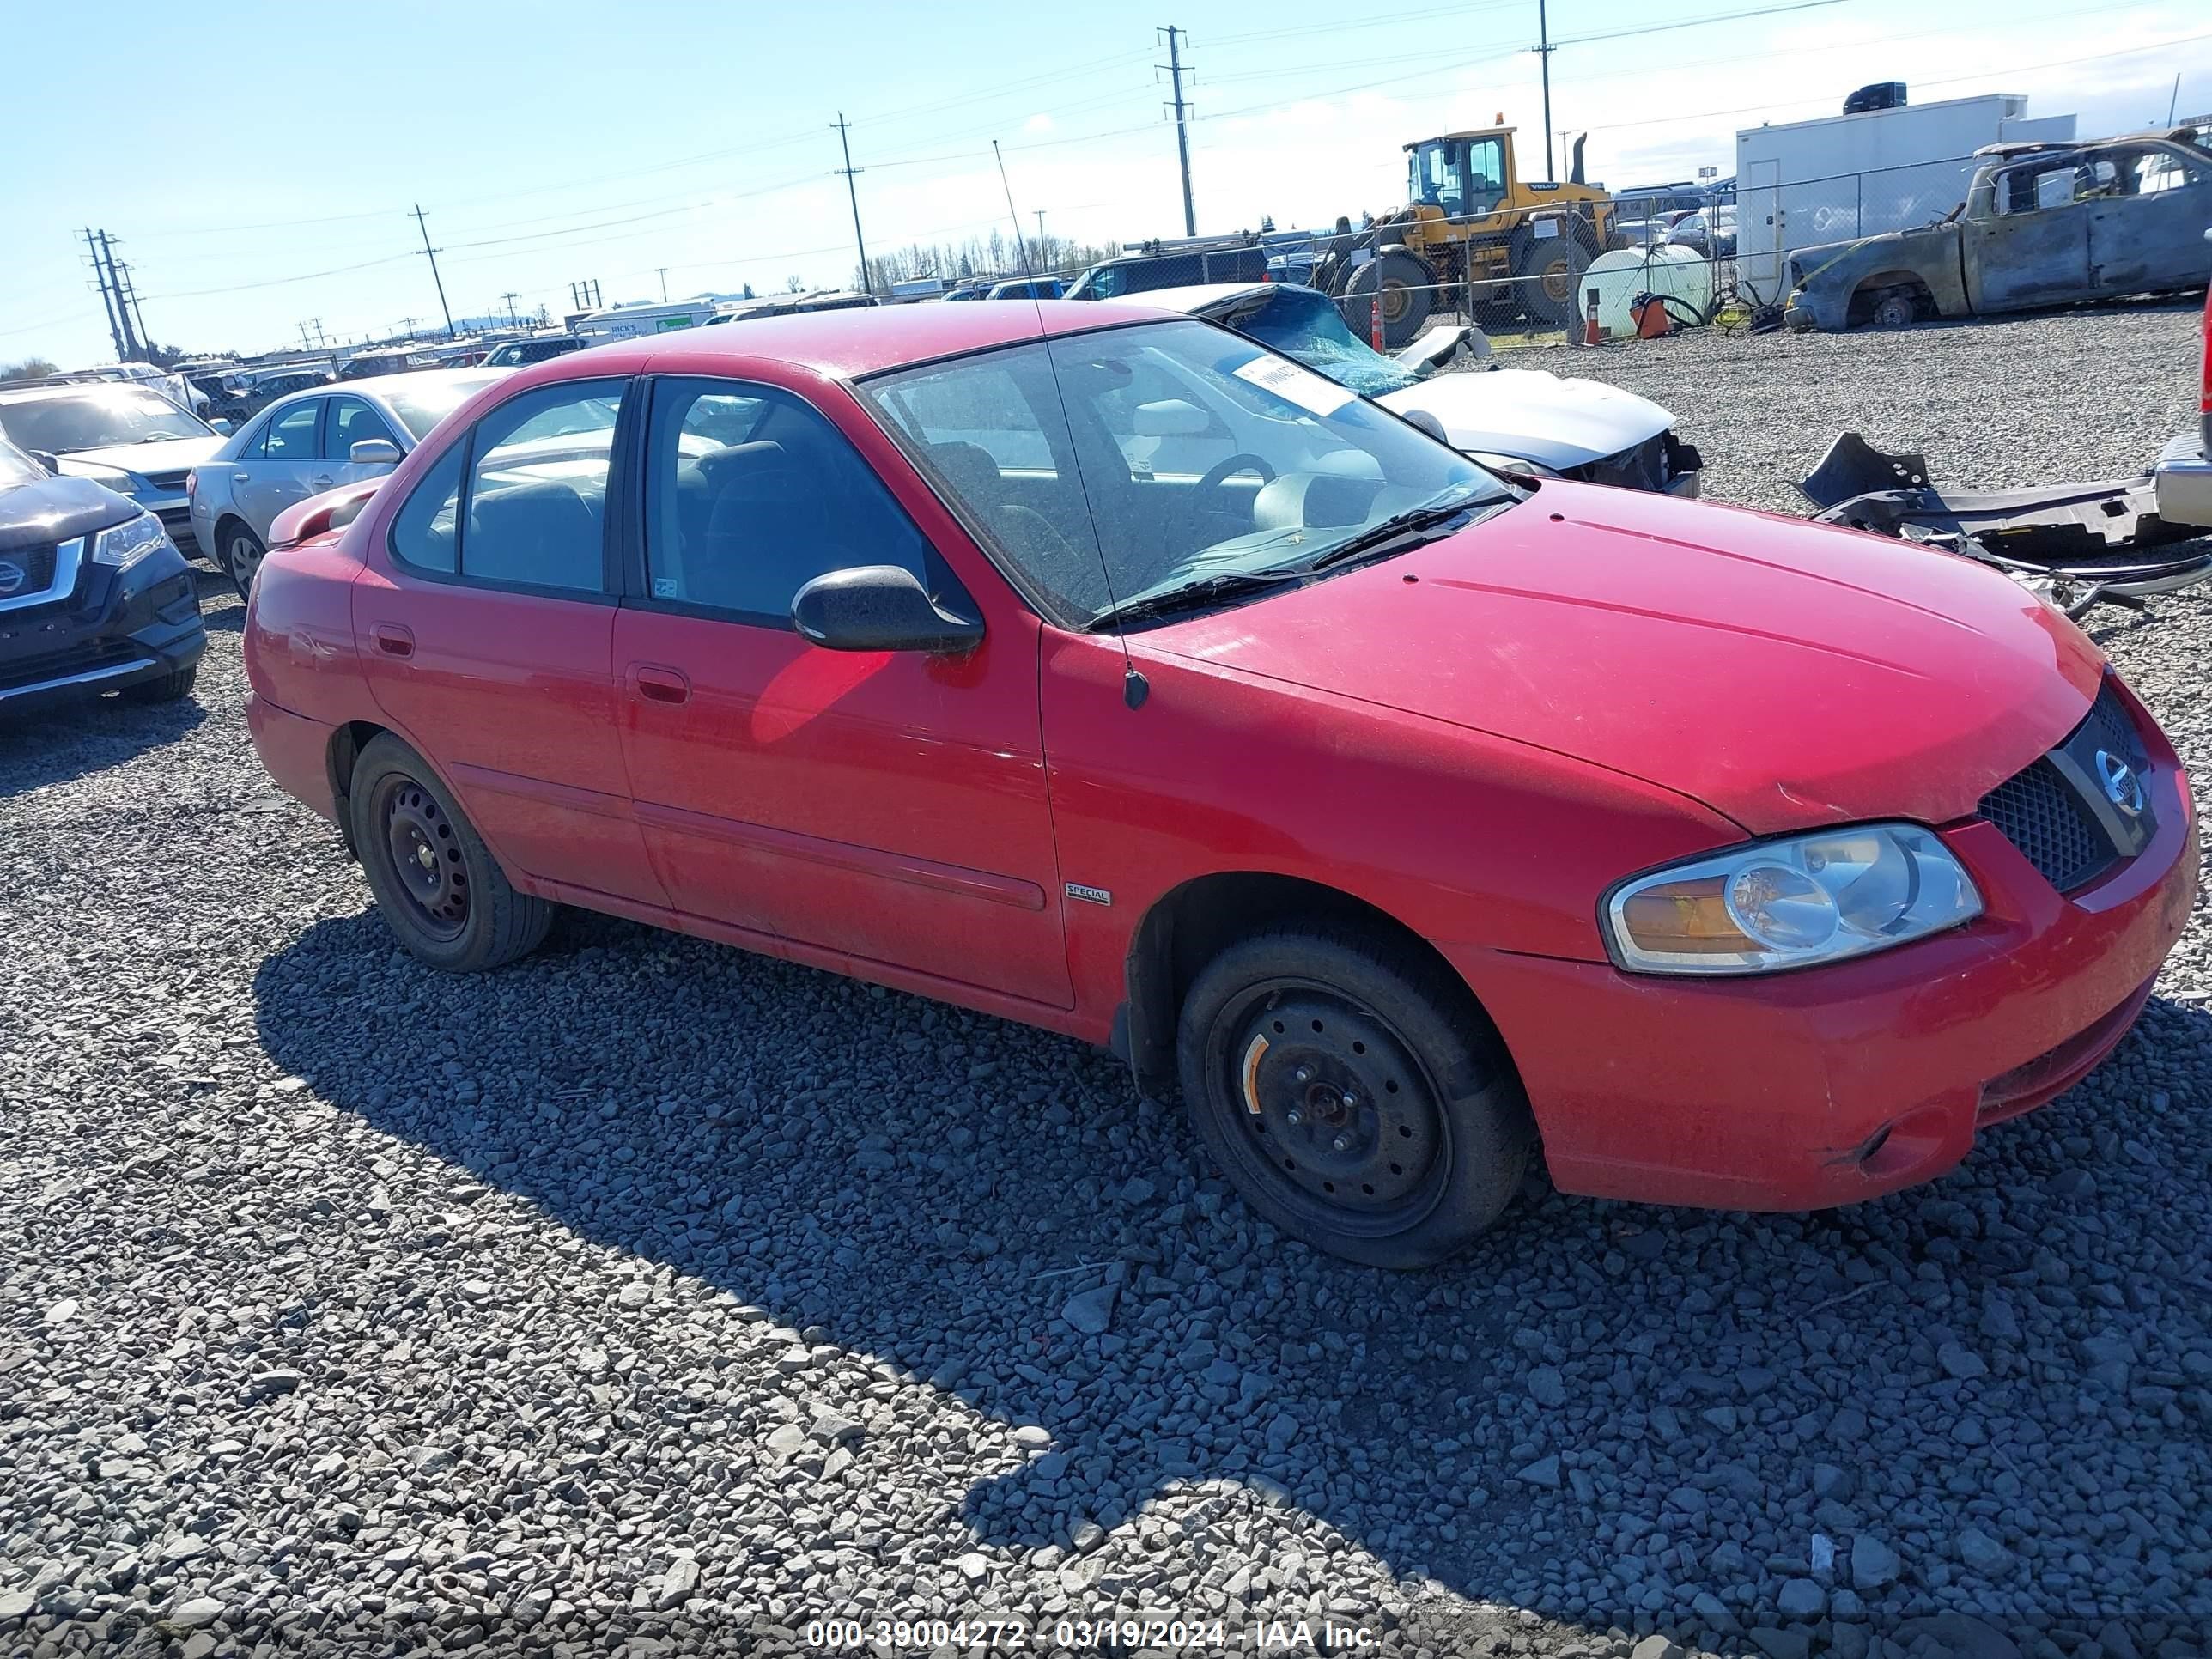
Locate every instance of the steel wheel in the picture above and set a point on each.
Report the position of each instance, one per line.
(1335, 1107)
(424, 855)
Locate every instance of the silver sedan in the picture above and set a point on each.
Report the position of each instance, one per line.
(311, 442)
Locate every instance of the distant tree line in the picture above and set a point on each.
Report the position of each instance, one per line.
(996, 255)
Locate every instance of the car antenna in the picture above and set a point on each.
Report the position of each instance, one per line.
(1134, 686)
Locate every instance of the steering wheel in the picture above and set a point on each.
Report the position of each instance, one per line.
(1221, 471)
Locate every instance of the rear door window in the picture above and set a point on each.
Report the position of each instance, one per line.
(521, 500)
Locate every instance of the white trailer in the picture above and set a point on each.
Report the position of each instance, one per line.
(1843, 176)
(628, 322)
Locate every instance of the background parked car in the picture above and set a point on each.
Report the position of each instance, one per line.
(126, 436)
(515, 353)
(1710, 231)
(1028, 288)
(94, 595)
(253, 391)
(303, 445)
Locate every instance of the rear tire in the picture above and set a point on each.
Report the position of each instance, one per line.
(441, 892)
(1352, 1094)
(1545, 269)
(240, 552)
(170, 687)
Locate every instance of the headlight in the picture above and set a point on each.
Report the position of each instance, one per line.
(124, 544)
(1790, 904)
(1498, 462)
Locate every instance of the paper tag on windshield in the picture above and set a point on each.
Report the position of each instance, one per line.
(1315, 394)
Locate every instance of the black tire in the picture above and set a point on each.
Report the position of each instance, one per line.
(1547, 267)
(1407, 291)
(1352, 1094)
(170, 687)
(450, 903)
(238, 554)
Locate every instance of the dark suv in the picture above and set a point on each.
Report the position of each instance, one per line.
(94, 595)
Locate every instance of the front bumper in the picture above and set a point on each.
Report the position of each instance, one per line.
(1803, 1091)
(148, 627)
(2183, 479)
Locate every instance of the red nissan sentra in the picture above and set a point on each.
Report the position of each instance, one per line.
(1112, 674)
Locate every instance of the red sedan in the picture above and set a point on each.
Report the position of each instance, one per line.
(1114, 675)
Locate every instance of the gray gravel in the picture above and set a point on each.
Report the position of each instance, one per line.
(646, 1293)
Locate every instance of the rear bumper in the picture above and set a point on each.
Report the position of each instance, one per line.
(2183, 480)
(1805, 1091)
(296, 750)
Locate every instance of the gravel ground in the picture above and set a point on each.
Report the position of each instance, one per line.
(647, 1297)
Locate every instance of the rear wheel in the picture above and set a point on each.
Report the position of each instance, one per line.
(442, 894)
(240, 551)
(1405, 288)
(1546, 268)
(1352, 1095)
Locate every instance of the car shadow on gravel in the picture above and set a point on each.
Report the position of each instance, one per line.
(1612, 1415)
(55, 745)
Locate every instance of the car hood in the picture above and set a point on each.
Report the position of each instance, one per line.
(49, 510)
(1534, 415)
(1786, 674)
(168, 456)
(1810, 259)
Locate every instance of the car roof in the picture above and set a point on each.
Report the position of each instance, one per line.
(849, 343)
(379, 387)
(25, 394)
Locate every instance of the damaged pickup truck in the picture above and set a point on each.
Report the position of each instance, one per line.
(2042, 225)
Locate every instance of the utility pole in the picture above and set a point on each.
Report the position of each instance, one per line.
(129, 351)
(127, 291)
(867, 282)
(1173, 67)
(305, 344)
(663, 272)
(1544, 56)
(431, 254)
(510, 299)
(320, 337)
(1044, 254)
(106, 297)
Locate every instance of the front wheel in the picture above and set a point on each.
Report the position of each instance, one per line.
(1894, 310)
(1352, 1094)
(442, 894)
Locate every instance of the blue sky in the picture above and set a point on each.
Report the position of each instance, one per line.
(258, 161)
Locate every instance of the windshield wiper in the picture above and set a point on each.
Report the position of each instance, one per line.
(1398, 527)
(1194, 596)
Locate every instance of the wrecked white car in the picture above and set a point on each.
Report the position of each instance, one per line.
(1520, 419)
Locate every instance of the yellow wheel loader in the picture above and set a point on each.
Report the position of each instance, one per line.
(1473, 233)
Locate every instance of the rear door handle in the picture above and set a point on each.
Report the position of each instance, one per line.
(656, 684)
(392, 639)
(322, 482)
(241, 477)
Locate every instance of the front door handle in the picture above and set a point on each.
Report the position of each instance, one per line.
(656, 684)
(392, 639)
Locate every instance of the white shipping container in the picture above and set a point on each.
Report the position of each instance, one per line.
(1804, 183)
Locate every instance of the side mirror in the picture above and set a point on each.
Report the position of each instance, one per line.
(1171, 417)
(46, 458)
(878, 607)
(1427, 422)
(220, 425)
(374, 452)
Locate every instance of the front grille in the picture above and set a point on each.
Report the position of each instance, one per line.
(37, 564)
(1643, 467)
(2040, 814)
(2114, 730)
(169, 484)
